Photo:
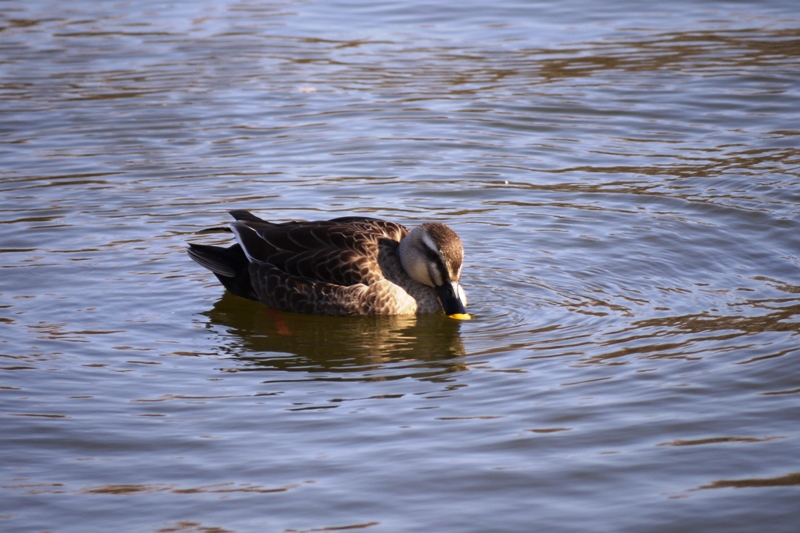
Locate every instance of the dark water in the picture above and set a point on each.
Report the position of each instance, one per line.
(625, 177)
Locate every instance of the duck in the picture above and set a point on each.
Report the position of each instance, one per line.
(347, 266)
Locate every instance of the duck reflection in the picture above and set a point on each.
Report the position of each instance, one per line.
(421, 346)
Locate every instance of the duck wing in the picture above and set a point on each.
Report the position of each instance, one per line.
(341, 252)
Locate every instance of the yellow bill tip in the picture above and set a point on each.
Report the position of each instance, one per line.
(461, 316)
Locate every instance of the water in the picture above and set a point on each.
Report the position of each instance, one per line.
(625, 179)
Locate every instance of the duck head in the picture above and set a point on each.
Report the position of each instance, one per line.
(432, 254)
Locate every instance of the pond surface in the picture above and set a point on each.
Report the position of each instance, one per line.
(625, 177)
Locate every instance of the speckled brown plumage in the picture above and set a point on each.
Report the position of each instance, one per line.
(344, 266)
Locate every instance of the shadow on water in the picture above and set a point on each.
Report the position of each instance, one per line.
(365, 348)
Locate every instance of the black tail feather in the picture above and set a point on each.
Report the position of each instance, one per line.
(229, 265)
(241, 214)
(215, 230)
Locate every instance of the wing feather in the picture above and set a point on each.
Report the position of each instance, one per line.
(342, 251)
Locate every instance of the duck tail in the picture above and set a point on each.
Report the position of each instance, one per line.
(247, 216)
(229, 265)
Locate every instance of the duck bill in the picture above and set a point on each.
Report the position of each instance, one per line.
(451, 303)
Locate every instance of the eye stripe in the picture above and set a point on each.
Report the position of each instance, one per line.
(435, 259)
(428, 242)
